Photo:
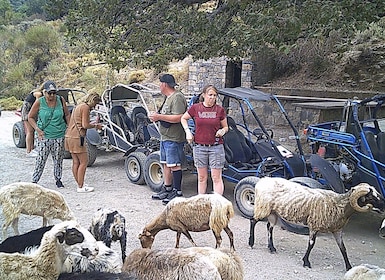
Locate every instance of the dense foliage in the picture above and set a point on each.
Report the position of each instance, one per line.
(148, 34)
(151, 33)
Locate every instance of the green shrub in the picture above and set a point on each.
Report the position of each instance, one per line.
(10, 103)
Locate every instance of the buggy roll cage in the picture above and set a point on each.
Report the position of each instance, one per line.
(352, 136)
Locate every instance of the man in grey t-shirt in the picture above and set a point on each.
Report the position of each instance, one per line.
(172, 138)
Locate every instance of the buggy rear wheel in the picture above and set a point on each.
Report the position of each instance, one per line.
(244, 196)
(18, 134)
(134, 167)
(92, 152)
(153, 171)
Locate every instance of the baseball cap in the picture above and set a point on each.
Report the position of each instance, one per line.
(168, 79)
(49, 86)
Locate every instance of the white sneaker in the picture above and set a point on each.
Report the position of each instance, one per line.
(85, 189)
(32, 154)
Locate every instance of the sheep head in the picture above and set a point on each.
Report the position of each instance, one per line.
(364, 198)
(118, 227)
(146, 239)
(74, 239)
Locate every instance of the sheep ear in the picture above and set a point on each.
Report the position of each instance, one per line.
(60, 237)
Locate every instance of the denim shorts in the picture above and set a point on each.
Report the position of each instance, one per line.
(212, 157)
(171, 153)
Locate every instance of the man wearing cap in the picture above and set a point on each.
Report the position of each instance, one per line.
(50, 126)
(172, 138)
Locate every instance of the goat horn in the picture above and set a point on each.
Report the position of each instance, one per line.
(358, 192)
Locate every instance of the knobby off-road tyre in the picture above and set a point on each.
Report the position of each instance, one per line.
(244, 196)
(134, 167)
(18, 134)
(92, 151)
(153, 171)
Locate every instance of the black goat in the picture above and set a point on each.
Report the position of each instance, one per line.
(96, 276)
(109, 225)
(19, 243)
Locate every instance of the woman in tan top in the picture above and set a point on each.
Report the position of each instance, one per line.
(75, 139)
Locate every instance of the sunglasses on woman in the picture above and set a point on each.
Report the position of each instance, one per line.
(51, 92)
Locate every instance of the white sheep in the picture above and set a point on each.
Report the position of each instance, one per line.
(171, 263)
(107, 260)
(321, 210)
(31, 199)
(198, 213)
(110, 225)
(365, 272)
(228, 263)
(46, 262)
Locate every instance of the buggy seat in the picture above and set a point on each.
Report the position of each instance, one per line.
(121, 119)
(239, 149)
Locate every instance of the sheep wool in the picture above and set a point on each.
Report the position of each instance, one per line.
(365, 272)
(32, 199)
(197, 213)
(171, 263)
(228, 263)
(107, 260)
(46, 262)
(321, 210)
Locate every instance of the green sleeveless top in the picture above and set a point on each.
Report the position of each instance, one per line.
(51, 120)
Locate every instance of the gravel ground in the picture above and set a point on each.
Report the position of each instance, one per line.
(113, 190)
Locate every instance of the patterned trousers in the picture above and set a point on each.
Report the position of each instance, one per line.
(55, 147)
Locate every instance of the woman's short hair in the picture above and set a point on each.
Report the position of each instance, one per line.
(92, 98)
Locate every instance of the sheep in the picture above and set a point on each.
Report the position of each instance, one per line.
(228, 263)
(96, 276)
(365, 272)
(48, 259)
(107, 260)
(198, 213)
(321, 210)
(20, 243)
(110, 225)
(31, 199)
(147, 264)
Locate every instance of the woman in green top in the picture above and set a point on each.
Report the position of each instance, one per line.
(49, 110)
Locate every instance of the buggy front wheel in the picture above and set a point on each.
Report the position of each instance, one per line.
(153, 171)
(134, 167)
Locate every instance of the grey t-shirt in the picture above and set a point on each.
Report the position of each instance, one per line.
(175, 104)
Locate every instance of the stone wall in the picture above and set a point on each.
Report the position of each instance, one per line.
(213, 71)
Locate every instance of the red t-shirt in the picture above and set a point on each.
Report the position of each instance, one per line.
(207, 122)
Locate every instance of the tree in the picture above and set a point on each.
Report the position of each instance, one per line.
(5, 12)
(151, 33)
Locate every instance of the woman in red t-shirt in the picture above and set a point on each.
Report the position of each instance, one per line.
(210, 125)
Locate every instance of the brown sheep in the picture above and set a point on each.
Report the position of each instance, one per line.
(198, 213)
(31, 199)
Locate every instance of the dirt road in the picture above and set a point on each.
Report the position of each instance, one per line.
(113, 189)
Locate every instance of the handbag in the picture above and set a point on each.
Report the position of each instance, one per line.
(64, 114)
